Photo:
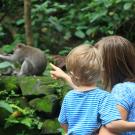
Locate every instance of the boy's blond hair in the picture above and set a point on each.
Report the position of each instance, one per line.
(83, 65)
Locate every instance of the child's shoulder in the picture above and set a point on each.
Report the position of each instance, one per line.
(72, 92)
(105, 97)
(98, 92)
(69, 93)
(102, 93)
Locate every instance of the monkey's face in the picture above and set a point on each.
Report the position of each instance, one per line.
(19, 52)
(19, 48)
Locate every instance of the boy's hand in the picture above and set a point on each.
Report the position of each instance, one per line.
(57, 73)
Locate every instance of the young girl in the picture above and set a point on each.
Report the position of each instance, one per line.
(118, 73)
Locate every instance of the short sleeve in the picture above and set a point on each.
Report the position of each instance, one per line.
(62, 116)
(122, 96)
(108, 111)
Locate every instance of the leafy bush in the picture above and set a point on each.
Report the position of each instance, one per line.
(57, 24)
(65, 23)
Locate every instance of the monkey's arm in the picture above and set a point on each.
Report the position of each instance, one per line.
(26, 68)
(11, 57)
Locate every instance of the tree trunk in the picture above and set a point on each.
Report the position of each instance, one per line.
(27, 18)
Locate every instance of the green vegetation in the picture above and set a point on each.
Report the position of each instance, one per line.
(60, 24)
(30, 105)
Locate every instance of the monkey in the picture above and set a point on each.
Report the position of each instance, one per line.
(33, 61)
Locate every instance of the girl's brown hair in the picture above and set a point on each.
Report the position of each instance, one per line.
(118, 56)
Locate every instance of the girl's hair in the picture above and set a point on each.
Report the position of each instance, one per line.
(118, 56)
(83, 65)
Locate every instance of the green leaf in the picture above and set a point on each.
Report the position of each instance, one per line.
(127, 6)
(110, 32)
(20, 21)
(2, 34)
(6, 106)
(54, 21)
(91, 31)
(23, 111)
(118, 1)
(80, 34)
(67, 35)
(27, 121)
(95, 16)
(8, 48)
(39, 125)
(6, 64)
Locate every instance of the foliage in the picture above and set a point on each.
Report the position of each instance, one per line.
(23, 116)
(8, 48)
(51, 125)
(69, 22)
(18, 114)
(6, 106)
(58, 24)
(28, 112)
(10, 6)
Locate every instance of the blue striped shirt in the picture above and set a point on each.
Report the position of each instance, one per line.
(86, 111)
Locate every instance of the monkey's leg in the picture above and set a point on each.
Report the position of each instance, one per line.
(26, 68)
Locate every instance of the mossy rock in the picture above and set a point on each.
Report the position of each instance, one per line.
(21, 101)
(51, 127)
(8, 83)
(36, 85)
(45, 104)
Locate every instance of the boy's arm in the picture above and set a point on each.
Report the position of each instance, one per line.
(123, 112)
(65, 127)
(111, 118)
(104, 131)
(120, 126)
(57, 73)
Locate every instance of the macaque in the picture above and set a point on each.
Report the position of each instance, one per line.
(32, 60)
